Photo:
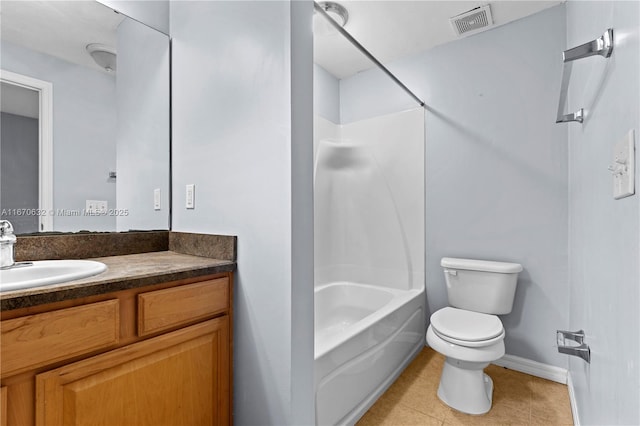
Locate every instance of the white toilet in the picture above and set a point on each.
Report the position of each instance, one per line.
(469, 334)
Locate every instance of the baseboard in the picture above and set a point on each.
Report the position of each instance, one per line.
(534, 368)
(572, 400)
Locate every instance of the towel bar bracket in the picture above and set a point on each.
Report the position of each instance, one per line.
(602, 46)
(575, 116)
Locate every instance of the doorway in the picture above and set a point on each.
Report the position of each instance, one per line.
(26, 197)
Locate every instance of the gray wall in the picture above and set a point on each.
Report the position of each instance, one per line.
(19, 157)
(84, 132)
(326, 94)
(242, 133)
(496, 163)
(604, 234)
(143, 126)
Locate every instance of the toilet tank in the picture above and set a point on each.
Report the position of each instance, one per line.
(481, 285)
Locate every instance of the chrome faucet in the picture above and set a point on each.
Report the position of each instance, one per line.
(7, 240)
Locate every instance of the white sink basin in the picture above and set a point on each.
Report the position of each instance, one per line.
(45, 272)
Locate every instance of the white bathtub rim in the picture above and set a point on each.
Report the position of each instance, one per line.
(400, 298)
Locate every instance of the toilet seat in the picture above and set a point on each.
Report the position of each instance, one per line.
(467, 328)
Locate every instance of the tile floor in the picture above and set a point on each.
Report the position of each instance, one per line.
(518, 399)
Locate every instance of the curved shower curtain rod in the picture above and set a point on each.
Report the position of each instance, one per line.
(368, 54)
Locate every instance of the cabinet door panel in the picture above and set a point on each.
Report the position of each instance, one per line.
(3, 406)
(180, 378)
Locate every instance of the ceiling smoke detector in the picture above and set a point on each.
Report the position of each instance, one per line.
(103, 55)
(472, 21)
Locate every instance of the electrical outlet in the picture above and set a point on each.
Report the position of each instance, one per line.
(156, 199)
(191, 196)
(96, 207)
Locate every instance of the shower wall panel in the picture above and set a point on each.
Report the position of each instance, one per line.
(369, 201)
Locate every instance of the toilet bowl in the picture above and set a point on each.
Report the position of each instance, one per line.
(468, 333)
(468, 350)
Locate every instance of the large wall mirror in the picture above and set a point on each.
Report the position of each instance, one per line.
(85, 113)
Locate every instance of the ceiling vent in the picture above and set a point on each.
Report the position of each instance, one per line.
(472, 21)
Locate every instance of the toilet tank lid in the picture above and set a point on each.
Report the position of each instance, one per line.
(481, 265)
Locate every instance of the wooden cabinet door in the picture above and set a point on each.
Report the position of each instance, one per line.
(180, 378)
(3, 406)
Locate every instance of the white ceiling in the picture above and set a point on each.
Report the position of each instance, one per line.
(59, 28)
(391, 29)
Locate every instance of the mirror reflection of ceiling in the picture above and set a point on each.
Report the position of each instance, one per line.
(394, 29)
(60, 28)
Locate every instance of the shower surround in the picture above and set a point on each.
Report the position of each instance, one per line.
(369, 259)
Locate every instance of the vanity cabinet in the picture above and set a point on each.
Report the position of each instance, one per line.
(158, 355)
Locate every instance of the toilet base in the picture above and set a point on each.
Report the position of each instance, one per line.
(465, 387)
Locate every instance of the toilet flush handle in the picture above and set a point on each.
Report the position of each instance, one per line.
(451, 272)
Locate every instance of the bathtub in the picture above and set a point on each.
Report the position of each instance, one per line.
(365, 335)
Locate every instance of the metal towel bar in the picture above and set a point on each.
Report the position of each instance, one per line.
(602, 46)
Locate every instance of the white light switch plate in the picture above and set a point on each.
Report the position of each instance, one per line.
(623, 167)
(191, 195)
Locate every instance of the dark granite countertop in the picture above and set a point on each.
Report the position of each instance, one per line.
(123, 272)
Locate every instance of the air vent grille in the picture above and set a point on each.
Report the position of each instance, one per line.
(472, 21)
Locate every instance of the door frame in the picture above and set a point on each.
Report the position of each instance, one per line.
(45, 142)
